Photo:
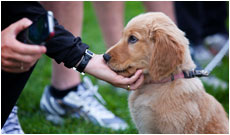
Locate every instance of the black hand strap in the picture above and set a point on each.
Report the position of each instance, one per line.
(85, 60)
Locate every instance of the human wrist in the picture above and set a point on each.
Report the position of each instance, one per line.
(81, 65)
(91, 65)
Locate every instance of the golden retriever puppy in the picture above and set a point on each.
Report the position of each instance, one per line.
(166, 102)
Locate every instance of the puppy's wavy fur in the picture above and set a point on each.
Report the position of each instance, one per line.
(179, 106)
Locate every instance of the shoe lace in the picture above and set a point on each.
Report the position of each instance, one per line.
(93, 89)
(89, 94)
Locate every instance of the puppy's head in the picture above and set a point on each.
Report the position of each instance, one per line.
(151, 42)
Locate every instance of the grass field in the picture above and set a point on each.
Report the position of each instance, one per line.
(33, 120)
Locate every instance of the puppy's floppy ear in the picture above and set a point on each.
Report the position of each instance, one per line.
(167, 54)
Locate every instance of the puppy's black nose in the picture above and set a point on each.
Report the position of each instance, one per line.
(106, 57)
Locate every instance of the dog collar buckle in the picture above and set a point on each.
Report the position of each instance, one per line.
(195, 73)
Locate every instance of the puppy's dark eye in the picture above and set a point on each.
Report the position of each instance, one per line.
(132, 39)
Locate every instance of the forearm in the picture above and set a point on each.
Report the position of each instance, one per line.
(66, 48)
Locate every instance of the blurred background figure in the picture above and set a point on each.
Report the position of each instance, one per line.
(205, 26)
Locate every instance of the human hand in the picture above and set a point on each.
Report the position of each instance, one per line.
(98, 68)
(16, 56)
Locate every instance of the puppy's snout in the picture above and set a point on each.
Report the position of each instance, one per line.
(106, 57)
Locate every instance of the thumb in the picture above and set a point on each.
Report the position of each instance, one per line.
(21, 25)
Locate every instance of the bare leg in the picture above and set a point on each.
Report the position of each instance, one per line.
(166, 7)
(68, 14)
(110, 16)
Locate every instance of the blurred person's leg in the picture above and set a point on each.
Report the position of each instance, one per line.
(216, 14)
(192, 18)
(69, 14)
(64, 80)
(12, 86)
(215, 27)
(215, 34)
(110, 17)
(166, 7)
(191, 22)
(67, 95)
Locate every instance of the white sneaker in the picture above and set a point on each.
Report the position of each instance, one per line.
(202, 56)
(215, 82)
(12, 125)
(215, 42)
(117, 89)
(85, 103)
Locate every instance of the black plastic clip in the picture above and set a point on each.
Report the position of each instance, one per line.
(195, 73)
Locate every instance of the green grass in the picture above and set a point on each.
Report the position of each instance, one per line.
(33, 120)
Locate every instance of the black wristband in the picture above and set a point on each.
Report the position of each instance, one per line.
(87, 56)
